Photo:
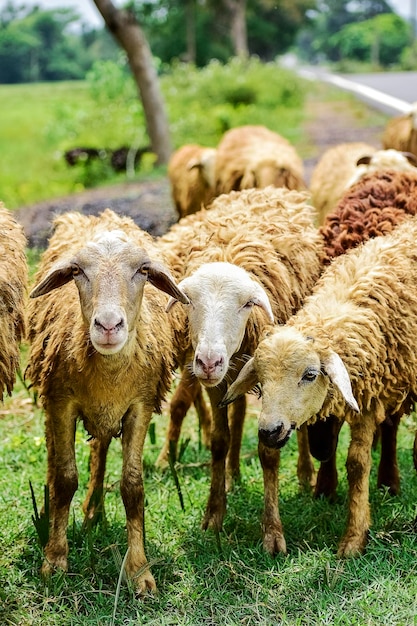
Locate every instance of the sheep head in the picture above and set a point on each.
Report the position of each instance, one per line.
(110, 273)
(222, 296)
(295, 381)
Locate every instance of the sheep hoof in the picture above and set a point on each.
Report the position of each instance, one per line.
(145, 585)
(274, 541)
(352, 546)
(213, 521)
(49, 567)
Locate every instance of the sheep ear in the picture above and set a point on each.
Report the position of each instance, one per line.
(246, 380)
(364, 160)
(339, 376)
(411, 158)
(160, 278)
(59, 275)
(261, 299)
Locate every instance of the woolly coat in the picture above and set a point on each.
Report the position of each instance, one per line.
(13, 291)
(254, 156)
(401, 132)
(372, 207)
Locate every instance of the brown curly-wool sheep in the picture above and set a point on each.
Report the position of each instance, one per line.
(13, 288)
(349, 352)
(100, 351)
(254, 156)
(191, 174)
(251, 257)
(372, 207)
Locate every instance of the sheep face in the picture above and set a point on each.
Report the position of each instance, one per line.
(110, 274)
(295, 382)
(222, 296)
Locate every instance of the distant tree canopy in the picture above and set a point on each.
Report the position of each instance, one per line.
(46, 45)
(365, 30)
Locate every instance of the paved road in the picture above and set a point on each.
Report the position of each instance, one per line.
(390, 92)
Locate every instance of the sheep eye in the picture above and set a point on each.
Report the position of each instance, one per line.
(143, 269)
(249, 304)
(76, 270)
(309, 375)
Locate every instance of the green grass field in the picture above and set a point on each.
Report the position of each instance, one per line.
(204, 579)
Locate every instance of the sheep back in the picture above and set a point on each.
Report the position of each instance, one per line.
(254, 156)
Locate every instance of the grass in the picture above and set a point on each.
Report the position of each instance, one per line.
(203, 579)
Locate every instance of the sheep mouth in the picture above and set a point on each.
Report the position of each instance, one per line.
(108, 347)
(276, 438)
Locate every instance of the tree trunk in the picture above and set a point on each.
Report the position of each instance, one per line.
(238, 32)
(128, 33)
(190, 31)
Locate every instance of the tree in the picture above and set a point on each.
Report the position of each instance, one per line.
(125, 28)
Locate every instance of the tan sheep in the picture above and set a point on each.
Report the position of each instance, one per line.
(401, 132)
(247, 260)
(101, 352)
(254, 156)
(349, 353)
(13, 291)
(191, 174)
(331, 176)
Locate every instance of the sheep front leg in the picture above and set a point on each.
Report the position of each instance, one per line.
(135, 427)
(220, 440)
(237, 412)
(273, 535)
(358, 466)
(62, 482)
(94, 501)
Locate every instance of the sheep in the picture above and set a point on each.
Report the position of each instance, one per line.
(400, 132)
(247, 260)
(254, 156)
(13, 291)
(191, 175)
(372, 207)
(350, 353)
(344, 165)
(101, 352)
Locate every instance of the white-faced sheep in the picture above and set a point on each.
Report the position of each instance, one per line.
(191, 174)
(401, 132)
(101, 352)
(13, 286)
(254, 156)
(249, 259)
(349, 352)
(343, 165)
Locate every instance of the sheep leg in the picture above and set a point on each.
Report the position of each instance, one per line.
(93, 505)
(305, 468)
(236, 419)
(62, 481)
(220, 440)
(135, 426)
(358, 467)
(388, 472)
(273, 535)
(188, 391)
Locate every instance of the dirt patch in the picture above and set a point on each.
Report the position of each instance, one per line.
(149, 203)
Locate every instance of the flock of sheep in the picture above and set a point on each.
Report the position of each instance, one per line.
(306, 294)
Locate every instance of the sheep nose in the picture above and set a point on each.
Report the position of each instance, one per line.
(109, 324)
(275, 438)
(209, 365)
